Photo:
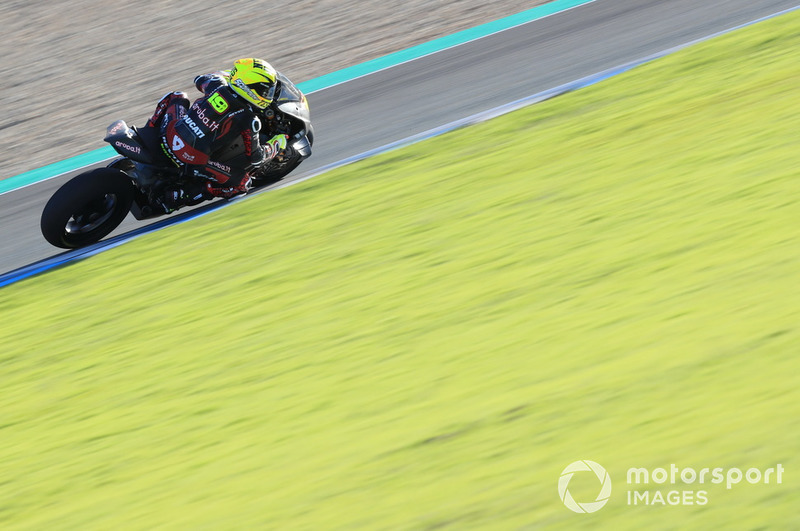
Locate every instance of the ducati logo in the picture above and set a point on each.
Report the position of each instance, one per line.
(177, 143)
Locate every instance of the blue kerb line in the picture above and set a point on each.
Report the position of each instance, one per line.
(79, 254)
(326, 81)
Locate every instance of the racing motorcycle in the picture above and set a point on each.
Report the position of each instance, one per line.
(88, 207)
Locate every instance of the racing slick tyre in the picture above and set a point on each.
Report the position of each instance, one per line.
(275, 171)
(87, 208)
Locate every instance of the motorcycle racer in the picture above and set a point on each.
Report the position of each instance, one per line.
(195, 137)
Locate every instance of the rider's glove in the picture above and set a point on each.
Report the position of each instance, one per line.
(275, 145)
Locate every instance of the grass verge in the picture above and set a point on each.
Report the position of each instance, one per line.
(426, 339)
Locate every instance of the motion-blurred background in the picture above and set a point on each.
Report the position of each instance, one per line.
(73, 67)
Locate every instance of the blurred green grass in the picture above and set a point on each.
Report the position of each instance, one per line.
(426, 339)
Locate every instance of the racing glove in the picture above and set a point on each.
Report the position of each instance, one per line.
(275, 145)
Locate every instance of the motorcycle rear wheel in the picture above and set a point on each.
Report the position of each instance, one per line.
(87, 208)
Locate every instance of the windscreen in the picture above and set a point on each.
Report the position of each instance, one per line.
(288, 91)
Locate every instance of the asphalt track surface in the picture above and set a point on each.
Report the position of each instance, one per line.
(410, 98)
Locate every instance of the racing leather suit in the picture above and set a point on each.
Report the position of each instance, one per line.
(198, 137)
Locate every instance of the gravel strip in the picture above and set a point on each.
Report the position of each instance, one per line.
(76, 66)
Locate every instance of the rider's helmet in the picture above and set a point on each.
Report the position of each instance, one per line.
(253, 80)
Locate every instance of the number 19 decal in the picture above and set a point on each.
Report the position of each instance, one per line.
(218, 102)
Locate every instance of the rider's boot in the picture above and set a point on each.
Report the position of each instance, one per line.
(174, 197)
(227, 190)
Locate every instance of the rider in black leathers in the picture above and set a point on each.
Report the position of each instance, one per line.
(192, 137)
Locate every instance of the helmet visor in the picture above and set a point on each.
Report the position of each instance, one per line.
(265, 90)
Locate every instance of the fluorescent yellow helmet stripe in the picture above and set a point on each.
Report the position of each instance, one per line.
(250, 71)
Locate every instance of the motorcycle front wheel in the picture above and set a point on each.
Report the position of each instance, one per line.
(87, 208)
(278, 168)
